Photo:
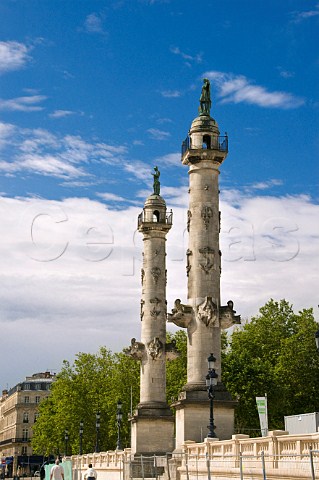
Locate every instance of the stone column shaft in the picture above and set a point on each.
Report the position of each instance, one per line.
(153, 304)
(203, 266)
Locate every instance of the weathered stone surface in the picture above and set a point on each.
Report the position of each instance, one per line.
(153, 414)
(203, 152)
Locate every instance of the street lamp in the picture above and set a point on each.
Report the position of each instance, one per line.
(66, 439)
(317, 339)
(211, 381)
(119, 416)
(81, 436)
(97, 426)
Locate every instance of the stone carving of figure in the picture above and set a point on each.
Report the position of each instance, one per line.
(205, 101)
(227, 315)
(135, 350)
(156, 184)
(181, 315)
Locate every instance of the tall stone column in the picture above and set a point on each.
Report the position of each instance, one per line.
(203, 152)
(153, 423)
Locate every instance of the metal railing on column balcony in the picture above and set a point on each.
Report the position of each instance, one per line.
(221, 144)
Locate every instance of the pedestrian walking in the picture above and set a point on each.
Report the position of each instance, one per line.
(57, 472)
(90, 474)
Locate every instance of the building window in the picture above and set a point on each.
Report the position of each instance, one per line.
(37, 399)
(24, 450)
(48, 386)
(25, 417)
(36, 416)
(26, 386)
(38, 386)
(26, 399)
(25, 434)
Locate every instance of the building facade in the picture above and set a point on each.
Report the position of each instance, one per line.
(18, 413)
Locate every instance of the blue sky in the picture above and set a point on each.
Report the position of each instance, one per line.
(93, 94)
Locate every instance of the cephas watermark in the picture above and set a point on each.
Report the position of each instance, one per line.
(52, 234)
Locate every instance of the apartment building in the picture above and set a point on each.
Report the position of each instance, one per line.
(18, 413)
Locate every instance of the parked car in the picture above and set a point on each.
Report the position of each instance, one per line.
(36, 474)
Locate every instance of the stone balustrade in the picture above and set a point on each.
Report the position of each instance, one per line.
(278, 456)
(108, 465)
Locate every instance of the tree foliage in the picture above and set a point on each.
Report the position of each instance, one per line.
(176, 370)
(95, 382)
(274, 353)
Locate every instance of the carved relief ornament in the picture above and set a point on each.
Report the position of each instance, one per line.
(206, 214)
(142, 311)
(207, 312)
(155, 348)
(188, 265)
(209, 259)
(155, 272)
(155, 300)
(154, 313)
(189, 216)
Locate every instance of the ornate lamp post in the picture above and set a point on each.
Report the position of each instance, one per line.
(317, 339)
(81, 436)
(66, 439)
(119, 416)
(211, 381)
(97, 426)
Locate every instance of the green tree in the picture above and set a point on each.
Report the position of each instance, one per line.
(272, 354)
(176, 370)
(297, 368)
(93, 383)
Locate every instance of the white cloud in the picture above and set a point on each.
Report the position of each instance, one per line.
(139, 170)
(61, 113)
(171, 159)
(171, 93)
(285, 73)
(13, 56)
(94, 23)
(158, 134)
(48, 165)
(160, 121)
(197, 58)
(274, 182)
(299, 16)
(111, 197)
(41, 152)
(74, 266)
(238, 88)
(23, 104)
(269, 246)
(6, 132)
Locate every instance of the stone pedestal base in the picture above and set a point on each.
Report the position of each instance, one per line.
(192, 414)
(152, 430)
